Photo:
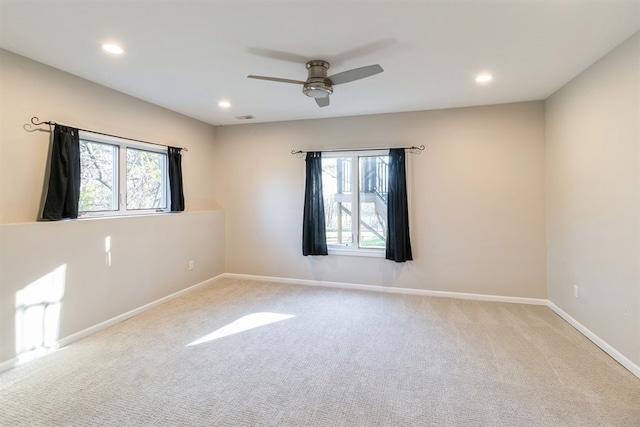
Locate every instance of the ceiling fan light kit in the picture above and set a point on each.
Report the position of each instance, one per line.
(318, 85)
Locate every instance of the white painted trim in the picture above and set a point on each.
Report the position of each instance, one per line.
(107, 323)
(353, 251)
(9, 364)
(615, 354)
(62, 342)
(375, 288)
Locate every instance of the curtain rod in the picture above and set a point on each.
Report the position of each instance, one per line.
(34, 121)
(415, 149)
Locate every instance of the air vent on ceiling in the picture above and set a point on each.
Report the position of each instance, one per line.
(248, 117)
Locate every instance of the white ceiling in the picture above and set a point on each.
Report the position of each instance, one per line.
(189, 55)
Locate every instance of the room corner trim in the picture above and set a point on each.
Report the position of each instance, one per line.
(615, 354)
(393, 290)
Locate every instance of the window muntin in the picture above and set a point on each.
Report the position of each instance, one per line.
(121, 177)
(355, 220)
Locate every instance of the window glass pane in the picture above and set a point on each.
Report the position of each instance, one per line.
(145, 179)
(98, 177)
(373, 201)
(336, 186)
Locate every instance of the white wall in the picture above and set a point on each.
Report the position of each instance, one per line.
(477, 199)
(593, 197)
(149, 255)
(28, 89)
(111, 266)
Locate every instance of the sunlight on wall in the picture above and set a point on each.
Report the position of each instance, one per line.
(244, 323)
(107, 250)
(38, 315)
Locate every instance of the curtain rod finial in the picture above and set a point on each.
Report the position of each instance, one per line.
(36, 122)
(417, 150)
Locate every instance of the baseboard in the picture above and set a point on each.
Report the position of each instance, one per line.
(375, 288)
(9, 364)
(107, 323)
(615, 354)
(62, 342)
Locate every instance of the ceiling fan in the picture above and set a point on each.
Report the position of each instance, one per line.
(318, 85)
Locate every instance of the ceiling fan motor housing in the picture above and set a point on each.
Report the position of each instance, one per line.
(317, 84)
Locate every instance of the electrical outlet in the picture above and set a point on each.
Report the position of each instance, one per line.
(575, 291)
(190, 265)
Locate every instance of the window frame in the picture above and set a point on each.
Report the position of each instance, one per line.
(355, 249)
(120, 170)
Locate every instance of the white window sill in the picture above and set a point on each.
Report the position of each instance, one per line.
(349, 251)
(115, 214)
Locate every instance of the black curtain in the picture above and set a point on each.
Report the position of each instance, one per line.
(63, 193)
(314, 234)
(175, 179)
(398, 247)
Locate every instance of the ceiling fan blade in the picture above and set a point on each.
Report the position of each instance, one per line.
(278, 54)
(322, 102)
(355, 74)
(276, 79)
(363, 50)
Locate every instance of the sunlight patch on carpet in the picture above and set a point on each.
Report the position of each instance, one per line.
(245, 323)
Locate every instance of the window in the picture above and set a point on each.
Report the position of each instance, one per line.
(120, 176)
(355, 200)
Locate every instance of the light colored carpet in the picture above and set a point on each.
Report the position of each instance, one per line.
(345, 358)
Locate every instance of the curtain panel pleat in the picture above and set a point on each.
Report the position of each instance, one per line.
(314, 235)
(63, 192)
(398, 245)
(174, 156)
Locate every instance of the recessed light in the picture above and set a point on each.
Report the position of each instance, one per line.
(224, 104)
(484, 78)
(112, 48)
